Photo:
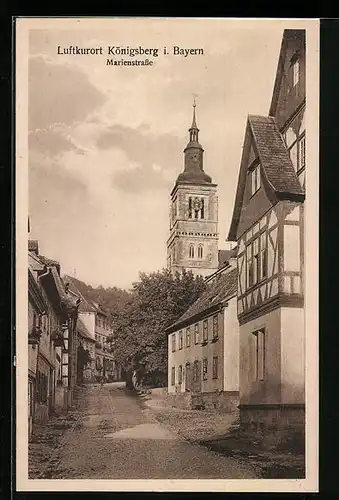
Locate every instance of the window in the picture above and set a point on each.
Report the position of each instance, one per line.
(191, 251)
(297, 152)
(180, 340)
(256, 261)
(215, 326)
(215, 367)
(263, 257)
(173, 342)
(205, 331)
(42, 387)
(204, 368)
(180, 374)
(195, 371)
(295, 72)
(200, 252)
(196, 208)
(302, 152)
(255, 179)
(188, 337)
(173, 375)
(188, 376)
(196, 333)
(259, 355)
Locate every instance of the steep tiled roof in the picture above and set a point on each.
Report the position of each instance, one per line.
(274, 157)
(223, 287)
(225, 255)
(50, 262)
(278, 175)
(85, 304)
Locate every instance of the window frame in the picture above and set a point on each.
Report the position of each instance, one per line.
(174, 341)
(259, 354)
(196, 334)
(205, 369)
(196, 214)
(255, 178)
(188, 337)
(295, 68)
(181, 340)
(256, 257)
(191, 251)
(173, 376)
(180, 374)
(205, 331)
(300, 153)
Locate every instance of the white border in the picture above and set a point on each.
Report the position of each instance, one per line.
(310, 484)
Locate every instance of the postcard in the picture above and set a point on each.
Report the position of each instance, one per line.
(166, 193)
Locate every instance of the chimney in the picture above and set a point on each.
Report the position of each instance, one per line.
(33, 246)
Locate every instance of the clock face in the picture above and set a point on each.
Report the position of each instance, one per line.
(194, 157)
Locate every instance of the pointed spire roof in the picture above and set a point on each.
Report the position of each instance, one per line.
(194, 121)
(193, 172)
(194, 131)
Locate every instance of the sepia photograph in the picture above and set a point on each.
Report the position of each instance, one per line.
(166, 254)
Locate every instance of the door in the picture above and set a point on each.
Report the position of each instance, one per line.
(197, 376)
(188, 377)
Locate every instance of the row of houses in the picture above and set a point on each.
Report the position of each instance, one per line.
(241, 344)
(68, 339)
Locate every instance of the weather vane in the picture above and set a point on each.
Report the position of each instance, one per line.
(194, 103)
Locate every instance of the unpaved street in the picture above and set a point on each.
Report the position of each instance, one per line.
(113, 436)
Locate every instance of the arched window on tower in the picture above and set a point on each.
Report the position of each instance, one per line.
(196, 208)
(191, 251)
(200, 251)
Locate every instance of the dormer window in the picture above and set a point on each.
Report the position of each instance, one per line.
(255, 179)
(295, 72)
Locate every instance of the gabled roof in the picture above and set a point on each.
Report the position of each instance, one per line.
(279, 178)
(223, 287)
(50, 262)
(86, 305)
(288, 35)
(225, 255)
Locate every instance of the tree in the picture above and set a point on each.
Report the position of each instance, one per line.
(157, 301)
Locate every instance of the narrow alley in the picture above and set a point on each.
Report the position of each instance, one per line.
(111, 435)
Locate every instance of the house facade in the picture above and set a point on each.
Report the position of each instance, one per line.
(86, 343)
(52, 318)
(193, 241)
(203, 347)
(96, 321)
(268, 226)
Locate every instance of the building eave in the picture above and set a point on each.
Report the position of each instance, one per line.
(196, 317)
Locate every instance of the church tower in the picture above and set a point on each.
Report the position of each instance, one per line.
(193, 241)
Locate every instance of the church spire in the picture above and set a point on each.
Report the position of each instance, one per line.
(194, 131)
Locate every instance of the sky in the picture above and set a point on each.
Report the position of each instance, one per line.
(106, 143)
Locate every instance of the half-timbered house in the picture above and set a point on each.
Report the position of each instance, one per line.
(268, 226)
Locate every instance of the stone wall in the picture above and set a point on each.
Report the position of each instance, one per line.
(224, 401)
(272, 417)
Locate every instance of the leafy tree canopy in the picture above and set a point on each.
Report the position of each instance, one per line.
(157, 301)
